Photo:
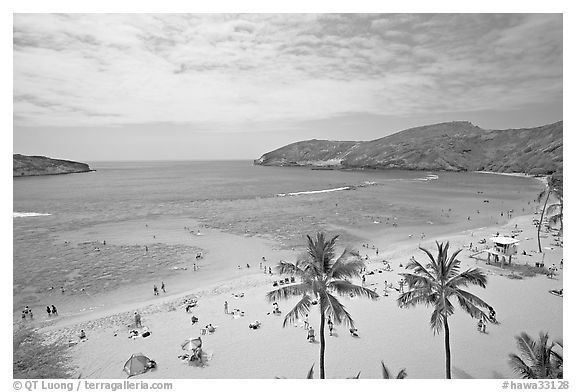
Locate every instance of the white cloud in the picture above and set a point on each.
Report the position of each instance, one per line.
(224, 70)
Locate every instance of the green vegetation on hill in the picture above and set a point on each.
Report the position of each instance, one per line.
(24, 165)
(452, 146)
(36, 358)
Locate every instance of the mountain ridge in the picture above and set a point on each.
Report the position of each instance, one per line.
(448, 146)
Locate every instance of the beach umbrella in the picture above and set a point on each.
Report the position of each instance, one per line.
(136, 364)
(191, 344)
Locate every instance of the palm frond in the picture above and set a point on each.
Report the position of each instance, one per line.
(343, 287)
(418, 268)
(336, 310)
(286, 268)
(437, 321)
(432, 259)
(299, 310)
(473, 277)
(471, 304)
(387, 375)
(417, 296)
(288, 291)
(310, 373)
(453, 264)
(419, 280)
(385, 371)
(346, 269)
(354, 377)
(527, 346)
(520, 367)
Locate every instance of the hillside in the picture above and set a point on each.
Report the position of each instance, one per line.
(452, 146)
(24, 166)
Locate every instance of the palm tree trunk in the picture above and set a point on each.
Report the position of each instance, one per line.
(322, 342)
(541, 219)
(447, 347)
(561, 218)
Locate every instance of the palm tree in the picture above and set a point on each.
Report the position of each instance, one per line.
(537, 359)
(386, 373)
(322, 275)
(554, 188)
(436, 283)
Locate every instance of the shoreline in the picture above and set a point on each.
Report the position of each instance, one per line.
(228, 281)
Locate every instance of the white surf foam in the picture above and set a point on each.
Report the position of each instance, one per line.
(344, 188)
(429, 177)
(27, 214)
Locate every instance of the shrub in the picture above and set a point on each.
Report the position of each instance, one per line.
(36, 358)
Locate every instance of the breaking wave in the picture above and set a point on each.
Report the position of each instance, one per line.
(28, 214)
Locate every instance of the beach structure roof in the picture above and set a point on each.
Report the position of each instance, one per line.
(504, 240)
(136, 364)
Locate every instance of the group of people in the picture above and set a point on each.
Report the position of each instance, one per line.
(27, 312)
(552, 270)
(276, 310)
(190, 303)
(481, 326)
(162, 287)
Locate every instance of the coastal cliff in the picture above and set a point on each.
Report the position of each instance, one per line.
(24, 165)
(451, 146)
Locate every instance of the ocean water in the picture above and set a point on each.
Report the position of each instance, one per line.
(124, 188)
(237, 197)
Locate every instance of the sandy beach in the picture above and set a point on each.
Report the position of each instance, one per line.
(386, 332)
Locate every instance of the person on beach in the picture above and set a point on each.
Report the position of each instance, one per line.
(62, 289)
(146, 247)
(270, 270)
(481, 326)
(82, 335)
(492, 314)
(354, 332)
(306, 322)
(156, 290)
(401, 284)
(225, 307)
(363, 280)
(163, 287)
(24, 315)
(137, 319)
(54, 310)
(330, 325)
(48, 310)
(310, 336)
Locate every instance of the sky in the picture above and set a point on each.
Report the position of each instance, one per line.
(92, 87)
